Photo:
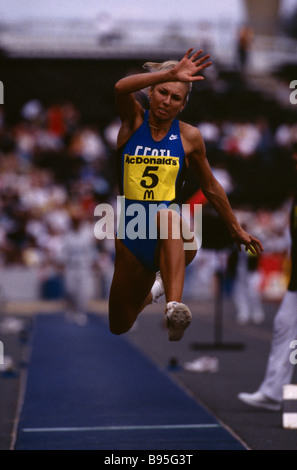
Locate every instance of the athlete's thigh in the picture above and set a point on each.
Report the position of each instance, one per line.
(131, 282)
(171, 222)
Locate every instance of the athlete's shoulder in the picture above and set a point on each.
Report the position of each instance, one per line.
(189, 131)
(127, 128)
(191, 136)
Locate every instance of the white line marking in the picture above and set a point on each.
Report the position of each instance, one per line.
(122, 428)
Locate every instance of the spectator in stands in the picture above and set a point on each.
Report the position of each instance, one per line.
(244, 42)
(246, 290)
(78, 257)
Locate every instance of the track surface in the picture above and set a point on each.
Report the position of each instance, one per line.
(87, 389)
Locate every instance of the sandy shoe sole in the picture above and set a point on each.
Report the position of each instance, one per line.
(178, 318)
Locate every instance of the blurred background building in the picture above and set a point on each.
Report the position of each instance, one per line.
(58, 125)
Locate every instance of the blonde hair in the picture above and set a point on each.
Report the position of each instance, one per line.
(167, 65)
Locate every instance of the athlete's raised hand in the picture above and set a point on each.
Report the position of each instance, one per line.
(189, 66)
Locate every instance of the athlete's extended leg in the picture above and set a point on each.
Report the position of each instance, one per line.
(171, 254)
(174, 284)
(173, 258)
(129, 290)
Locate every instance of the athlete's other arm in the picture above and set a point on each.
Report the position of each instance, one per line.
(213, 191)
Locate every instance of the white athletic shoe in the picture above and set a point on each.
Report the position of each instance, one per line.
(203, 364)
(158, 288)
(178, 318)
(258, 400)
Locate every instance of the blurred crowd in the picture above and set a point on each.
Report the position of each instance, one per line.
(50, 161)
(50, 164)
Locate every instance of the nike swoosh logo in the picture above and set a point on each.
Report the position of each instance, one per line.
(173, 137)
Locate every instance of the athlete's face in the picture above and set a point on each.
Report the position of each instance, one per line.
(168, 99)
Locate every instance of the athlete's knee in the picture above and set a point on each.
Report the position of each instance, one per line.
(119, 326)
(117, 329)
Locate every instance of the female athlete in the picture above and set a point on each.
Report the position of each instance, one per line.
(154, 151)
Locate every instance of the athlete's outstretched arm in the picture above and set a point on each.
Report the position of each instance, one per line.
(216, 195)
(186, 70)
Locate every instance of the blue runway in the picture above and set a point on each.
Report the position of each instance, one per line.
(87, 389)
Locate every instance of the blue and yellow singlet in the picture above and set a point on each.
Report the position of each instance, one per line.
(151, 172)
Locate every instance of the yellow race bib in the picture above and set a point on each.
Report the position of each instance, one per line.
(148, 178)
